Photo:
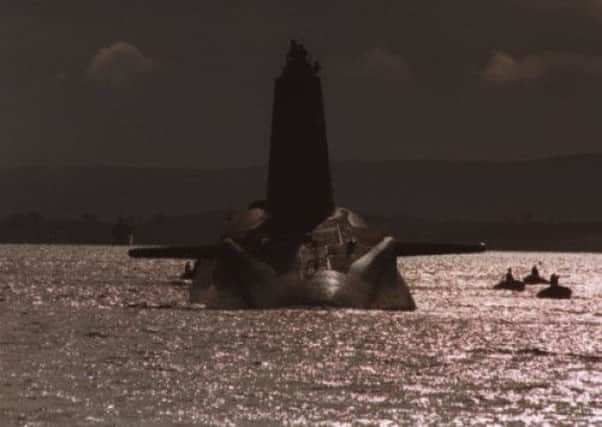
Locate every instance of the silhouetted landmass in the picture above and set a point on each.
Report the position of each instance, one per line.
(158, 229)
(34, 228)
(206, 227)
(110, 191)
(521, 236)
(548, 204)
(553, 190)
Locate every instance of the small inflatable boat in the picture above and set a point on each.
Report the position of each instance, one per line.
(512, 285)
(555, 292)
(535, 280)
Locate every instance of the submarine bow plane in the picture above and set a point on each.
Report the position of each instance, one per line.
(297, 248)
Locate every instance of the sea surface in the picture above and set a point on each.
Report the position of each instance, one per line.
(89, 337)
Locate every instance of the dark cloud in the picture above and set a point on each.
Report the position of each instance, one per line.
(504, 68)
(120, 64)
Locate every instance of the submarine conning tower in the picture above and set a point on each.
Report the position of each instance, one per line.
(299, 193)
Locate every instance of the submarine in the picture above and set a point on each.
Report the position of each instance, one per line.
(296, 247)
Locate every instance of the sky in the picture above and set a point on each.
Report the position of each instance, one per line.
(190, 83)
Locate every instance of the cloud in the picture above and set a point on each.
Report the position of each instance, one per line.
(120, 64)
(503, 68)
(595, 6)
(377, 64)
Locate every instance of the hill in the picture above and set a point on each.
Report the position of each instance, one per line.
(558, 189)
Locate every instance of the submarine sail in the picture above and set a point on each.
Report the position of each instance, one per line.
(299, 190)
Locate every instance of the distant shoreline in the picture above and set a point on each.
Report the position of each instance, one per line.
(34, 228)
(552, 190)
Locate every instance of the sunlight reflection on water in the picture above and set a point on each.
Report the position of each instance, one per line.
(92, 335)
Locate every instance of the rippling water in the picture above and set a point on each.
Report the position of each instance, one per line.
(90, 337)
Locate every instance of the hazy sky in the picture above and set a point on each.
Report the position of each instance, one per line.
(177, 83)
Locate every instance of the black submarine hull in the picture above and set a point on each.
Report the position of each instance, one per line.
(240, 280)
(341, 262)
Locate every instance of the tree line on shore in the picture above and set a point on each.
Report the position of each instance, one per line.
(523, 234)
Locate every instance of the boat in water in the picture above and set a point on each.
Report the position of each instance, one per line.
(555, 291)
(534, 278)
(512, 285)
